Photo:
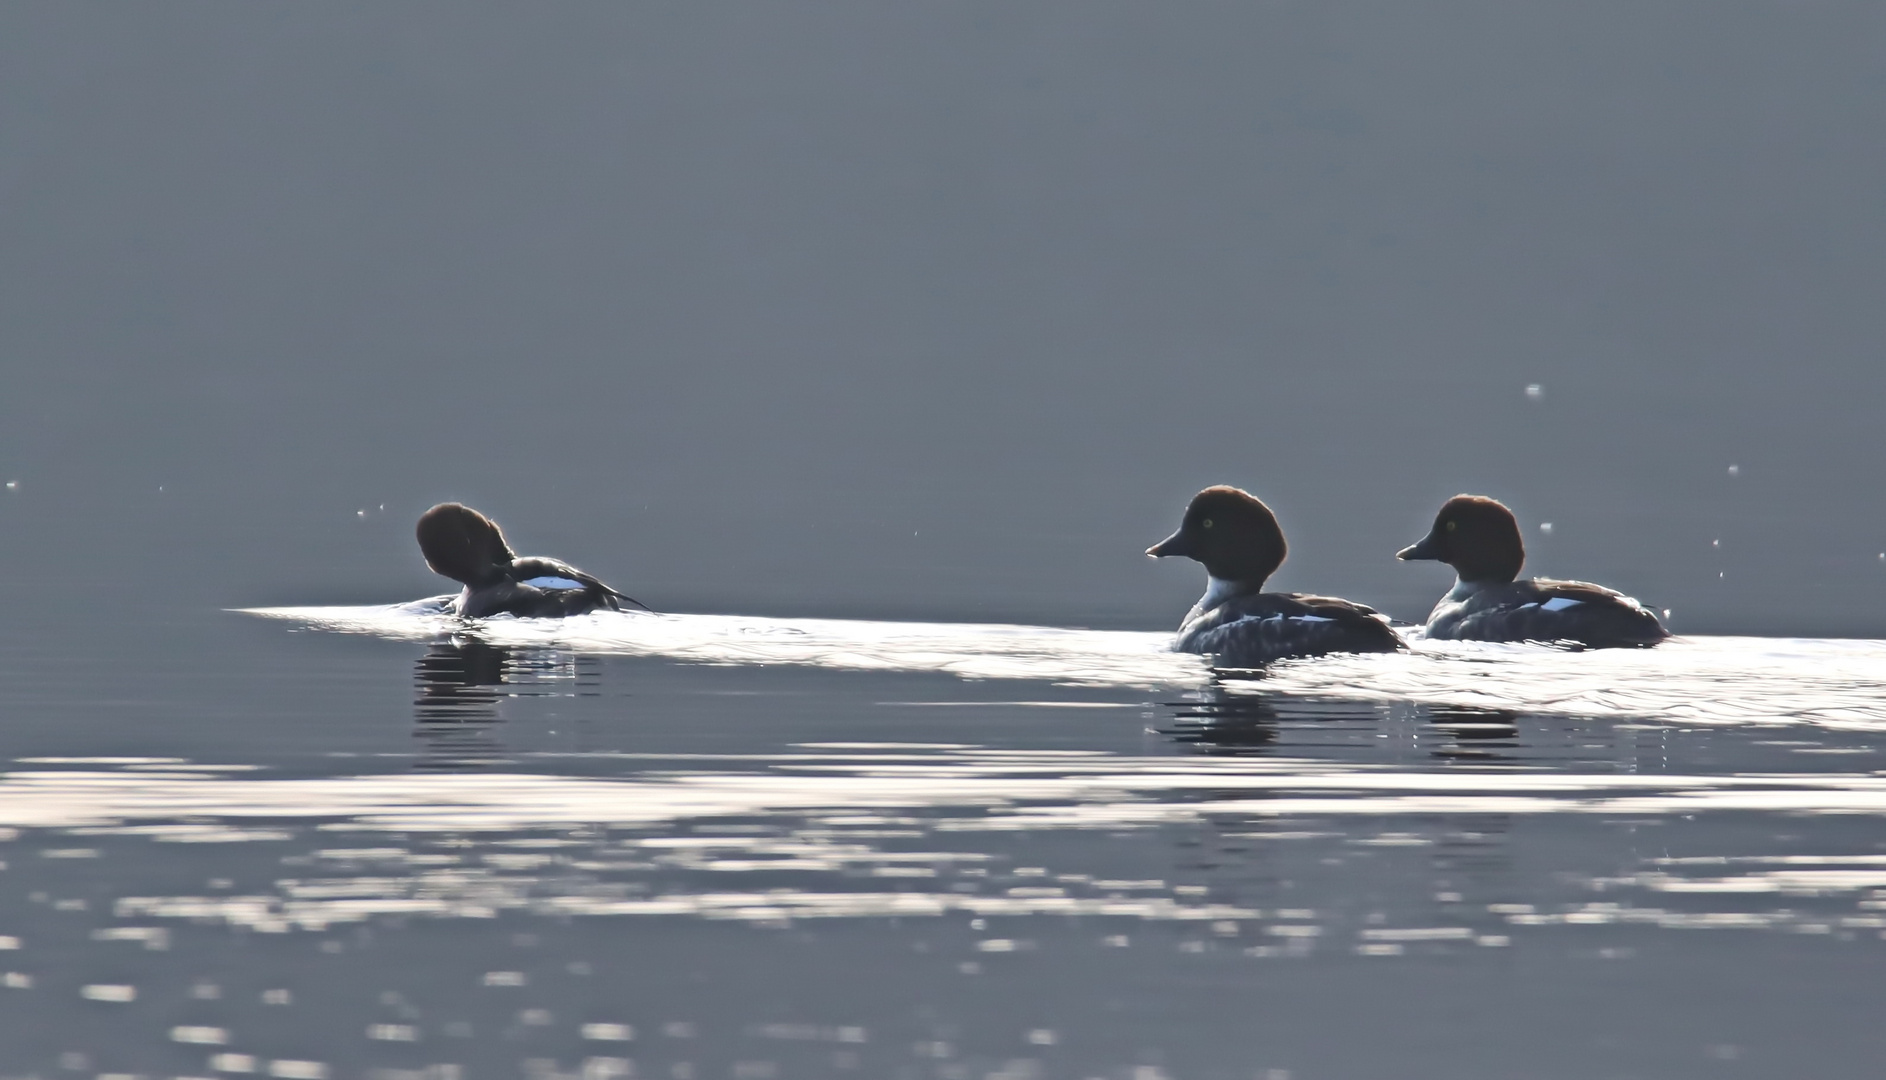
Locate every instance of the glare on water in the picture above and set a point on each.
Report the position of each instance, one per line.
(1014, 804)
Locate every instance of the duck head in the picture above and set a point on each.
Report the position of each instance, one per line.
(1232, 533)
(1475, 535)
(463, 544)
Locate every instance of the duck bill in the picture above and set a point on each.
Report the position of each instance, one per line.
(1171, 545)
(1429, 548)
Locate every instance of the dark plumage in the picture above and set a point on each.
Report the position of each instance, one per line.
(1238, 540)
(468, 547)
(1480, 539)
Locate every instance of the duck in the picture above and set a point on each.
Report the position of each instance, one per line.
(1479, 537)
(462, 544)
(1238, 540)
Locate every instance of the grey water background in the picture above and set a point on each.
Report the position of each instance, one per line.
(924, 313)
(945, 310)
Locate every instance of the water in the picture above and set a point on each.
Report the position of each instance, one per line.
(707, 846)
(884, 340)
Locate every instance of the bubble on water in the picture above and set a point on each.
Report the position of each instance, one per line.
(504, 978)
(1535, 392)
(199, 1035)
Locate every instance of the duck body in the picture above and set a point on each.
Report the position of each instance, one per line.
(1238, 540)
(1480, 538)
(538, 588)
(1540, 609)
(1255, 628)
(468, 547)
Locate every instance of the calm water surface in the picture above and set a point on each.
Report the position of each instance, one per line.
(708, 846)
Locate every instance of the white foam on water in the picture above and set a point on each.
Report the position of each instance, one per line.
(1836, 683)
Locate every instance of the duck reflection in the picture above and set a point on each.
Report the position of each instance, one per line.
(459, 686)
(1473, 732)
(1238, 716)
(1220, 720)
(456, 689)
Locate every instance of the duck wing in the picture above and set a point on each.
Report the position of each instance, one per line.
(555, 575)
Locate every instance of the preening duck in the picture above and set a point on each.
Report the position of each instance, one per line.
(468, 547)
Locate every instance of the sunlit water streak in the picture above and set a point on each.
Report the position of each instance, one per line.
(984, 790)
(856, 818)
(1830, 682)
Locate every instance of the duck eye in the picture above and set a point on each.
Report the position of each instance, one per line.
(1206, 523)
(1452, 525)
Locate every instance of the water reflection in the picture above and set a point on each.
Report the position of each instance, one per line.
(460, 684)
(456, 690)
(1239, 717)
(1475, 734)
(1224, 723)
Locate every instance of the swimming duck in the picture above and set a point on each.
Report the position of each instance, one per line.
(468, 547)
(1480, 539)
(1238, 540)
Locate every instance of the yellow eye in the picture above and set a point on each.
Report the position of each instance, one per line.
(1206, 523)
(1452, 525)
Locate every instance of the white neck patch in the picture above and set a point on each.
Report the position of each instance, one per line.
(1217, 591)
(1463, 589)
